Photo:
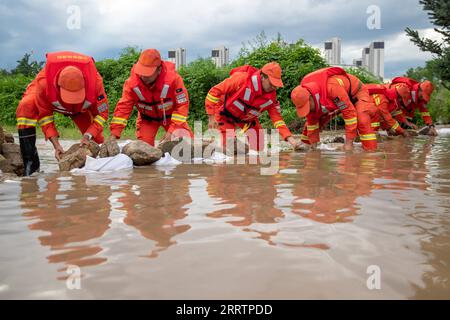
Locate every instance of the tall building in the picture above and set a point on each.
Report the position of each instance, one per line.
(220, 56)
(177, 56)
(333, 51)
(365, 58)
(358, 63)
(376, 58)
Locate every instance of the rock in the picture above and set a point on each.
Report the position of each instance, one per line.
(142, 153)
(11, 152)
(338, 140)
(169, 145)
(296, 125)
(109, 149)
(207, 146)
(424, 131)
(413, 133)
(75, 157)
(5, 165)
(177, 148)
(9, 138)
(236, 147)
(94, 148)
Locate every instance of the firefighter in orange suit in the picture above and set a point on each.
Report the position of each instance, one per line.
(239, 100)
(159, 94)
(390, 103)
(420, 94)
(69, 84)
(327, 92)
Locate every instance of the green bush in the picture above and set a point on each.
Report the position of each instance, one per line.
(12, 88)
(199, 77)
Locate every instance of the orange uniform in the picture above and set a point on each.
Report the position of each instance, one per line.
(165, 103)
(417, 102)
(389, 110)
(344, 94)
(41, 99)
(239, 101)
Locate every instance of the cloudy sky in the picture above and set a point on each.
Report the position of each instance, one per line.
(106, 26)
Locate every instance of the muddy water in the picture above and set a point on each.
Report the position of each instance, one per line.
(313, 230)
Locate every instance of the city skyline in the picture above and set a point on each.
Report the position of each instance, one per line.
(372, 57)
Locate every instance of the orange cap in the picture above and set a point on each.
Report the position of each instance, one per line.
(427, 89)
(71, 85)
(404, 93)
(273, 71)
(149, 61)
(300, 98)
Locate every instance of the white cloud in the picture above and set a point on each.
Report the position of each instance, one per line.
(398, 47)
(199, 25)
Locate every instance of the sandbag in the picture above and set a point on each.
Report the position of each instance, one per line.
(108, 164)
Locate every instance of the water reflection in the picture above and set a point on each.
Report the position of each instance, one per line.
(155, 205)
(70, 213)
(324, 212)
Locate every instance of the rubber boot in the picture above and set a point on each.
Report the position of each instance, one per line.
(30, 157)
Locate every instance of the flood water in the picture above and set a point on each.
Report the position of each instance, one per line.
(313, 230)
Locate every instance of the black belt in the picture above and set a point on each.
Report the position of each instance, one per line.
(148, 118)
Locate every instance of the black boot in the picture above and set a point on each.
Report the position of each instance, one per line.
(30, 157)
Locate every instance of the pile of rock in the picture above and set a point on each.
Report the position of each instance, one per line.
(76, 156)
(10, 157)
(140, 152)
(338, 139)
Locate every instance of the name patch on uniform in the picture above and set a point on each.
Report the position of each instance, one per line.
(103, 107)
(100, 97)
(181, 98)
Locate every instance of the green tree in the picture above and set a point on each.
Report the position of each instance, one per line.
(438, 12)
(26, 67)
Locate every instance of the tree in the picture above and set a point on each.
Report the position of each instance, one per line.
(438, 12)
(26, 67)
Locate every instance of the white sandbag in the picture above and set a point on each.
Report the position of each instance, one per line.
(167, 161)
(444, 131)
(119, 162)
(218, 157)
(326, 147)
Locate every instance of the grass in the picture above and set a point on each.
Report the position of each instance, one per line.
(68, 133)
